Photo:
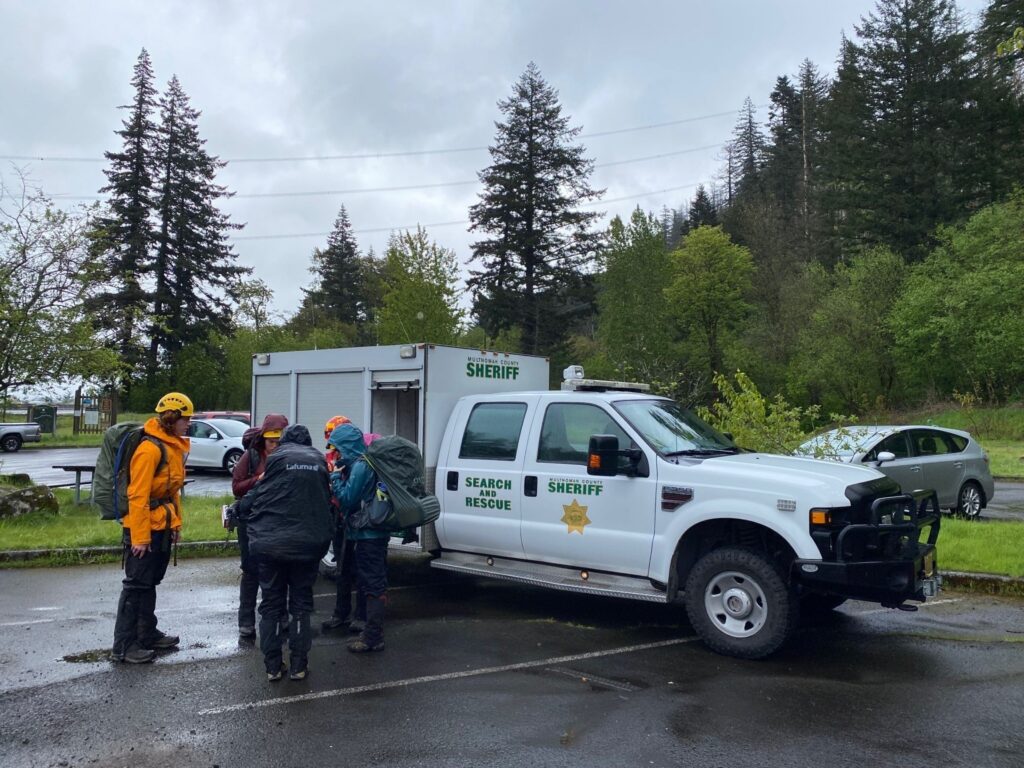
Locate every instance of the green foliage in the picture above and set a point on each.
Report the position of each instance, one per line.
(46, 335)
(759, 423)
(959, 324)
(844, 359)
(420, 298)
(633, 324)
(711, 277)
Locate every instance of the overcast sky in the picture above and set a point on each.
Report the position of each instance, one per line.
(277, 81)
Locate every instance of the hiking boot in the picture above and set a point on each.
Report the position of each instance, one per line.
(134, 656)
(273, 677)
(246, 630)
(361, 646)
(161, 641)
(334, 623)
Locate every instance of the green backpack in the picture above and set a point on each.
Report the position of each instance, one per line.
(112, 476)
(401, 501)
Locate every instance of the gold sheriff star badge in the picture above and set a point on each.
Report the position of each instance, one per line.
(575, 517)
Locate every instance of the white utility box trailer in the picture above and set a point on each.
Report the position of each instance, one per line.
(407, 389)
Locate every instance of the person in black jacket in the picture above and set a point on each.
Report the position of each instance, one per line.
(259, 443)
(290, 524)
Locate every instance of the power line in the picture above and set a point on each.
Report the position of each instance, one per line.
(410, 187)
(375, 155)
(438, 224)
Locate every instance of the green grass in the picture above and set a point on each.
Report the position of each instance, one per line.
(992, 546)
(80, 526)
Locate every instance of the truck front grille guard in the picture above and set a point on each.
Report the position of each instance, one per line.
(910, 513)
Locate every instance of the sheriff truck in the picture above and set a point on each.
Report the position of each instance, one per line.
(604, 488)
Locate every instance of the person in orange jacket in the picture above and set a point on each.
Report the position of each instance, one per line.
(151, 527)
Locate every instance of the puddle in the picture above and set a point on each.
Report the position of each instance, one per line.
(88, 657)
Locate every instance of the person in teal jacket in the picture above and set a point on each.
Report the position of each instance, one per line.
(354, 484)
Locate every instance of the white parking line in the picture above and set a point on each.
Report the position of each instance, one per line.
(436, 678)
(23, 623)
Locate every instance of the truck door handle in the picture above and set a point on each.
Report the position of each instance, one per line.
(530, 485)
(453, 481)
(915, 469)
(958, 464)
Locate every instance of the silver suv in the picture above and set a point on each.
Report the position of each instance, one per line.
(948, 460)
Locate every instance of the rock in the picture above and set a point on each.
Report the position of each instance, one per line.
(15, 502)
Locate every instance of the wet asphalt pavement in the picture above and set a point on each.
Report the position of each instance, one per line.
(480, 673)
(39, 464)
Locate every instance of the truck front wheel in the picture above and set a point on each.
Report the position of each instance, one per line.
(739, 603)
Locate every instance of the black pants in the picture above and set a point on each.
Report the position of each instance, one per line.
(250, 582)
(372, 581)
(287, 589)
(135, 625)
(344, 559)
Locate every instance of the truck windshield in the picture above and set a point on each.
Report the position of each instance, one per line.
(672, 430)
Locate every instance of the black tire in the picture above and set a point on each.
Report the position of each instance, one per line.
(969, 500)
(819, 605)
(10, 443)
(328, 567)
(739, 604)
(230, 459)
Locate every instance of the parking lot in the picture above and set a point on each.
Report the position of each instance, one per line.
(483, 673)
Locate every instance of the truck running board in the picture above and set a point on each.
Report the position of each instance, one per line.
(550, 576)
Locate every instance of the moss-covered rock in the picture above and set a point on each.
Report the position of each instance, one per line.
(15, 502)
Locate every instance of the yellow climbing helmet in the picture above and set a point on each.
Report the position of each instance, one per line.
(175, 401)
(334, 421)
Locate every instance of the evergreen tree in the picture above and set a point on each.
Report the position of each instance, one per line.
(703, 212)
(847, 122)
(195, 270)
(339, 270)
(747, 155)
(538, 241)
(997, 151)
(123, 235)
(917, 76)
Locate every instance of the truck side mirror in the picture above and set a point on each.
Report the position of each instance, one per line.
(885, 456)
(603, 455)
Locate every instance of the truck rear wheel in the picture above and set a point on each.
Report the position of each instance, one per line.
(739, 603)
(10, 443)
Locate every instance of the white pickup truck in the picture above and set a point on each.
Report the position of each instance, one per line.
(13, 435)
(603, 488)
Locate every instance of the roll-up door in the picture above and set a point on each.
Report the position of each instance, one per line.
(323, 395)
(271, 394)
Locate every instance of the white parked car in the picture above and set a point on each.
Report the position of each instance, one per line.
(947, 460)
(216, 443)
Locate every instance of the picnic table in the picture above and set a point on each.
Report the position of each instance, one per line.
(78, 469)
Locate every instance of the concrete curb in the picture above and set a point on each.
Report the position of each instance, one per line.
(84, 554)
